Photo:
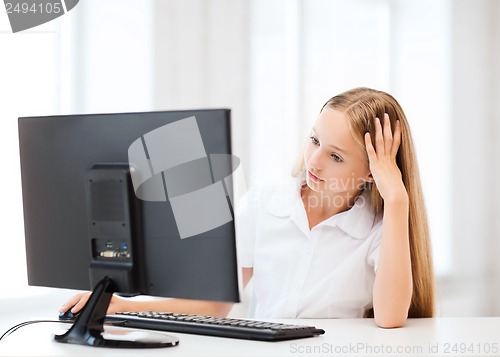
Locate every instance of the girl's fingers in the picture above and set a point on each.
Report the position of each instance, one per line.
(81, 303)
(387, 134)
(369, 148)
(396, 140)
(76, 303)
(379, 138)
(386, 142)
(70, 303)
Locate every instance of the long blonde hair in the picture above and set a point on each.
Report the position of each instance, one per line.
(361, 106)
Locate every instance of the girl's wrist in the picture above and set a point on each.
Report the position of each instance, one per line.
(126, 304)
(399, 197)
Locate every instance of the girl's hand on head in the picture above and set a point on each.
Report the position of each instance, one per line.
(382, 160)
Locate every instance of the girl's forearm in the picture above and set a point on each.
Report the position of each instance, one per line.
(392, 289)
(195, 307)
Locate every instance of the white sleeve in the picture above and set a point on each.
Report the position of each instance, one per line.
(246, 228)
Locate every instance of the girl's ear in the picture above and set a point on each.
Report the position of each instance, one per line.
(370, 179)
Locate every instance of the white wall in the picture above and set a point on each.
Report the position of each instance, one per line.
(495, 72)
(473, 287)
(275, 63)
(201, 60)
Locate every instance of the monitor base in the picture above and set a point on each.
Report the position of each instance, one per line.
(88, 328)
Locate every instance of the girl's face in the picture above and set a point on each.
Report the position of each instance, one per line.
(334, 161)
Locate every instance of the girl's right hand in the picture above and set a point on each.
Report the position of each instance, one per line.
(77, 302)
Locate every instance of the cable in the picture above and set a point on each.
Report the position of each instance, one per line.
(26, 323)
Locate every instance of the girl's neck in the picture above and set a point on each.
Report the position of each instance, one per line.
(321, 206)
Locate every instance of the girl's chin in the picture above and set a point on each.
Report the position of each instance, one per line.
(315, 186)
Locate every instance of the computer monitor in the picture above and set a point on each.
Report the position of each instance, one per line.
(130, 203)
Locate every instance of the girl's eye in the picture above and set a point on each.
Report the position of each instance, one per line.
(314, 140)
(336, 158)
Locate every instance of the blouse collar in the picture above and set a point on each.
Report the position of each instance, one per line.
(286, 201)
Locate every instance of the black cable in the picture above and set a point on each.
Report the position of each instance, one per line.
(26, 323)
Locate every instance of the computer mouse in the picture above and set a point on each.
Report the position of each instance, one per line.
(68, 315)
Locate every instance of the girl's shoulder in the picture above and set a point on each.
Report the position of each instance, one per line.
(271, 196)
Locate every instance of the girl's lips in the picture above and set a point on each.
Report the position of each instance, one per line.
(313, 177)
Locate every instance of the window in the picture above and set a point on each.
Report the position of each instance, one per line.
(102, 57)
(304, 52)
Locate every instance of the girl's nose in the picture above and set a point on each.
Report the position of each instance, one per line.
(315, 160)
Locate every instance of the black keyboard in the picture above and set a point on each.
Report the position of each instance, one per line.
(213, 326)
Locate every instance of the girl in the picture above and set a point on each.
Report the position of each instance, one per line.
(347, 236)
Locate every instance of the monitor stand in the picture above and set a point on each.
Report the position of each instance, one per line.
(88, 328)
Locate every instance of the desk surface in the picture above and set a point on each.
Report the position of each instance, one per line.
(346, 337)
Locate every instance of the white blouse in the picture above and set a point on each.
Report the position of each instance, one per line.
(325, 272)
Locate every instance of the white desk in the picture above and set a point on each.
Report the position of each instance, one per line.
(346, 337)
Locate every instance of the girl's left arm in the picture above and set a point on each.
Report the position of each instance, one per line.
(392, 290)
